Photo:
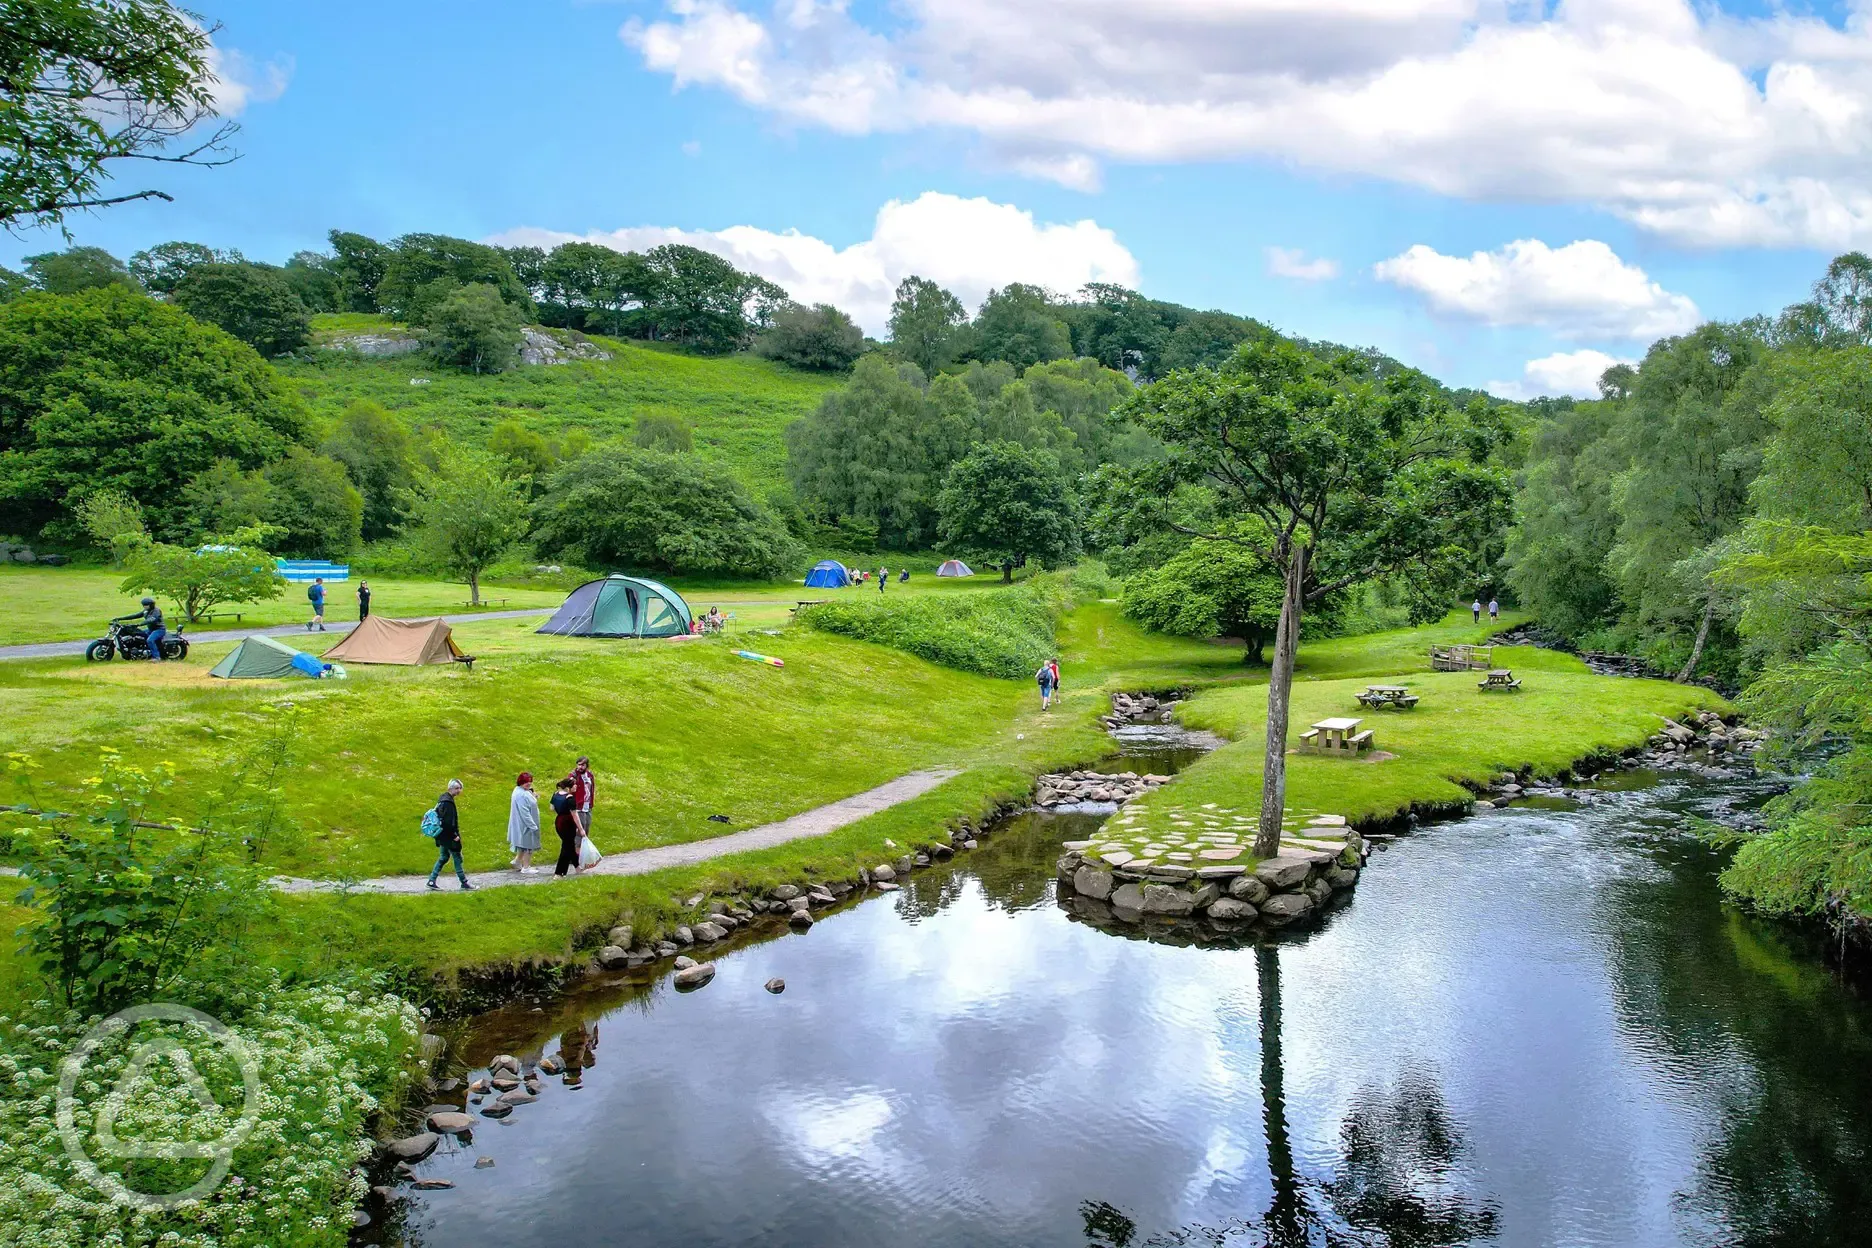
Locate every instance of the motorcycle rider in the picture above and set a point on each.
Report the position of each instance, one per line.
(153, 629)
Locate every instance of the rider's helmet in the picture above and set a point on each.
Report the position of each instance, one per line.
(149, 602)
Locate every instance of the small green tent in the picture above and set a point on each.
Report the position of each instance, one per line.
(259, 656)
(620, 606)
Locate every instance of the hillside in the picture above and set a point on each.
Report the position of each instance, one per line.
(737, 405)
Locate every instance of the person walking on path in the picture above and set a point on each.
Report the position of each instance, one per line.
(585, 791)
(1048, 680)
(523, 825)
(315, 594)
(1475, 612)
(448, 840)
(883, 578)
(363, 601)
(565, 823)
(1494, 611)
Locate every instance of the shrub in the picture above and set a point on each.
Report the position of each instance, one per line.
(819, 337)
(253, 302)
(472, 328)
(112, 520)
(1003, 632)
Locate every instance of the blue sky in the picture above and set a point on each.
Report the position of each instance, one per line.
(1334, 167)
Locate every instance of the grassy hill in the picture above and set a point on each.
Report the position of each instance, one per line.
(737, 405)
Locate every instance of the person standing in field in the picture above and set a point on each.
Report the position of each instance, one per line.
(883, 578)
(565, 823)
(1494, 611)
(585, 790)
(363, 601)
(1048, 680)
(523, 824)
(1475, 612)
(448, 840)
(315, 594)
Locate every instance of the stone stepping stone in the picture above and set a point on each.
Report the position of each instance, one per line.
(1080, 845)
(1112, 845)
(1178, 857)
(1331, 847)
(1220, 854)
(1116, 857)
(1332, 821)
(1221, 873)
(1138, 864)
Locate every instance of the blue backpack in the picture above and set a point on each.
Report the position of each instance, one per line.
(431, 823)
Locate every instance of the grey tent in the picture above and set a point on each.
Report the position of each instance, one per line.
(621, 606)
(260, 656)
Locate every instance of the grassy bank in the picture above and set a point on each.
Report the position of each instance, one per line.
(1008, 632)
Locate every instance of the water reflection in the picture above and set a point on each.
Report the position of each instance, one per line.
(1533, 1027)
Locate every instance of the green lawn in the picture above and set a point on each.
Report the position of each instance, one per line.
(737, 405)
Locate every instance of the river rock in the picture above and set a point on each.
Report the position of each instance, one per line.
(708, 931)
(666, 948)
(450, 1122)
(1282, 871)
(821, 895)
(1165, 900)
(613, 957)
(1128, 897)
(694, 976)
(903, 865)
(496, 1110)
(726, 922)
(504, 1083)
(506, 1064)
(432, 1185)
(619, 936)
(1229, 910)
(413, 1147)
(516, 1098)
(685, 936)
(1319, 890)
(1248, 888)
(479, 1087)
(684, 963)
(1205, 895)
(887, 887)
(798, 905)
(1342, 877)
(1284, 908)
(484, 1163)
(801, 919)
(776, 985)
(551, 1065)
(1092, 882)
(785, 892)
(884, 871)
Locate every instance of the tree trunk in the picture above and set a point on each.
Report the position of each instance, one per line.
(1252, 646)
(1280, 690)
(1696, 649)
(474, 588)
(1007, 573)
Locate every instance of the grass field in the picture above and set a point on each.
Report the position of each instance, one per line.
(737, 405)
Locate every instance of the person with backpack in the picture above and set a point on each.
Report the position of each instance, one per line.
(1048, 679)
(444, 825)
(315, 594)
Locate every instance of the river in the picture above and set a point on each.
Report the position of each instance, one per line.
(1535, 1026)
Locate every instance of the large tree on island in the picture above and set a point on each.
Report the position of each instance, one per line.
(1350, 477)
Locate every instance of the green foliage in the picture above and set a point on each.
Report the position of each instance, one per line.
(225, 497)
(315, 278)
(472, 327)
(359, 263)
(379, 456)
(820, 337)
(1567, 520)
(317, 510)
(13, 285)
(423, 270)
(663, 433)
(527, 454)
(112, 520)
(198, 580)
(92, 83)
(254, 302)
(592, 287)
(466, 513)
(648, 510)
(111, 389)
(77, 269)
(928, 325)
(1210, 589)
(1018, 325)
(1007, 504)
(1005, 632)
(160, 269)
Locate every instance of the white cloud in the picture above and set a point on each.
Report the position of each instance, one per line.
(1581, 290)
(692, 148)
(239, 82)
(1292, 262)
(1705, 127)
(1569, 372)
(968, 245)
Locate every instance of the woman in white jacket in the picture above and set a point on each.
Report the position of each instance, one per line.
(523, 828)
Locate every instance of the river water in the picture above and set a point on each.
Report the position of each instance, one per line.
(1536, 1026)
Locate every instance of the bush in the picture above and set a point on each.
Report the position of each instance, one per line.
(472, 328)
(820, 337)
(253, 302)
(1003, 632)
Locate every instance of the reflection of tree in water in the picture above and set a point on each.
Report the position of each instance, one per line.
(1106, 1225)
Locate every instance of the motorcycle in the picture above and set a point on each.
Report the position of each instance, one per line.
(133, 643)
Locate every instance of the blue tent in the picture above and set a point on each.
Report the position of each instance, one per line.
(828, 574)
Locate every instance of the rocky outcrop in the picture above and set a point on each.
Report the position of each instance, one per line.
(377, 346)
(539, 346)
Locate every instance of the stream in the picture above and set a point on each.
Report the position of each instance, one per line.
(1534, 1026)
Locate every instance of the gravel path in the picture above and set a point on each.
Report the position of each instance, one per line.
(815, 822)
(64, 649)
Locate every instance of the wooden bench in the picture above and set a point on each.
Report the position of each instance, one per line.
(212, 616)
(1361, 742)
(486, 602)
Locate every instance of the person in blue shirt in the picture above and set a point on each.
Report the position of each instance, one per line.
(315, 594)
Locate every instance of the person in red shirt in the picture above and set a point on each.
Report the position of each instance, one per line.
(584, 791)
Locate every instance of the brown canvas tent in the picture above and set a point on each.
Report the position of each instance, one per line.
(406, 642)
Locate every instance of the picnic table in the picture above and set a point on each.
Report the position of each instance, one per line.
(803, 603)
(1500, 678)
(1398, 697)
(1337, 736)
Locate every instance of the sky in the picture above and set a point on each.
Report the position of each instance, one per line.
(1510, 194)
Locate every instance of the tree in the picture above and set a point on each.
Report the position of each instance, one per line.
(466, 514)
(592, 287)
(379, 456)
(13, 285)
(317, 510)
(316, 280)
(359, 263)
(225, 497)
(112, 520)
(88, 84)
(1018, 324)
(253, 302)
(230, 568)
(160, 269)
(661, 512)
(112, 389)
(1007, 504)
(472, 327)
(820, 337)
(424, 269)
(657, 432)
(75, 269)
(701, 301)
(527, 455)
(1567, 519)
(1329, 474)
(927, 324)
(1210, 589)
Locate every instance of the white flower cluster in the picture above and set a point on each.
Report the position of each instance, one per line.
(328, 1057)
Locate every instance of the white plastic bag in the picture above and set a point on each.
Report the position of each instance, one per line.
(588, 853)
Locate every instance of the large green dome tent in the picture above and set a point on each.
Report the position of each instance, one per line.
(621, 606)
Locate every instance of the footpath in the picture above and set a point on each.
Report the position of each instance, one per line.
(66, 649)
